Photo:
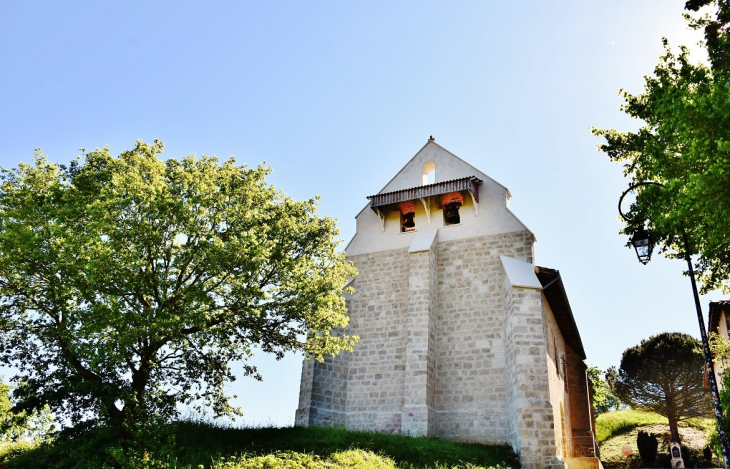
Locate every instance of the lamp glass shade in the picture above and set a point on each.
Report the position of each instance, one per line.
(640, 240)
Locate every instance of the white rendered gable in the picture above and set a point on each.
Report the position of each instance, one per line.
(379, 233)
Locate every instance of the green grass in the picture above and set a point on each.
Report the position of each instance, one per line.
(615, 423)
(350, 459)
(708, 425)
(403, 450)
(616, 429)
(203, 445)
(353, 458)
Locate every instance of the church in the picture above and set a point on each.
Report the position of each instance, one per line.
(462, 336)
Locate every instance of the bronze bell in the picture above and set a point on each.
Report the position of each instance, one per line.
(451, 213)
(408, 220)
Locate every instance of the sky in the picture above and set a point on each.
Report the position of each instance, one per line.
(338, 96)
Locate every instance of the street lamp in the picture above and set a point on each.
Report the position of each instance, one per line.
(640, 240)
(642, 243)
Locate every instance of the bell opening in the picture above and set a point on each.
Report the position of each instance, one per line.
(408, 222)
(451, 214)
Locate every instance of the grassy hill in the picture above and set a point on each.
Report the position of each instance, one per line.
(616, 429)
(201, 445)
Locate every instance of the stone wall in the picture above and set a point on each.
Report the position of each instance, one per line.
(471, 383)
(420, 344)
(447, 348)
(375, 375)
(323, 390)
(531, 413)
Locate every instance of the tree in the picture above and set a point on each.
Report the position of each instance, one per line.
(128, 285)
(18, 426)
(603, 398)
(664, 374)
(717, 40)
(684, 145)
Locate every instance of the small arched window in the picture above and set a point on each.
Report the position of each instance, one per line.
(429, 173)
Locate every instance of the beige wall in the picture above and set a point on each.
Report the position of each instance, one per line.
(556, 359)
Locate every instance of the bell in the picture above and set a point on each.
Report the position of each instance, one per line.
(451, 214)
(408, 220)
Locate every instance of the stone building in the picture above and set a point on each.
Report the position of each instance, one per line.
(462, 337)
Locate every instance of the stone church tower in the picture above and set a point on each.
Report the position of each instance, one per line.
(461, 336)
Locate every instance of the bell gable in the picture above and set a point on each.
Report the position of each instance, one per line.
(434, 190)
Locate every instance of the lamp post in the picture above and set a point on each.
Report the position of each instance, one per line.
(642, 244)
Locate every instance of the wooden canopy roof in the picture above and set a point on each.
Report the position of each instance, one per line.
(470, 183)
(554, 291)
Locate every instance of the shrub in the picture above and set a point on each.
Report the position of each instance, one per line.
(707, 453)
(648, 444)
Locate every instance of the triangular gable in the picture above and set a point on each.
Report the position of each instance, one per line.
(409, 182)
(467, 167)
(466, 170)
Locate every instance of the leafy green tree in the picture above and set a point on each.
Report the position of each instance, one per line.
(128, 285)
(683, 145)
(18, 426)
(664, 374)
(603, 399)
(715, 27)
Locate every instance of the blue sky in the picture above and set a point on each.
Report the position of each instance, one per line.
(338, 96)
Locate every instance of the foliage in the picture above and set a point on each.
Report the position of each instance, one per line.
(197, 443)
(664, 374)
(715, 28)
(720, 348)
(647, 444)
(22, 426)
(684, 145)
(128, 285)
(12, 449)
(603, 399)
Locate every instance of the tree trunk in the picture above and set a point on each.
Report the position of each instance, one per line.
(674, 430)
(672, 416)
